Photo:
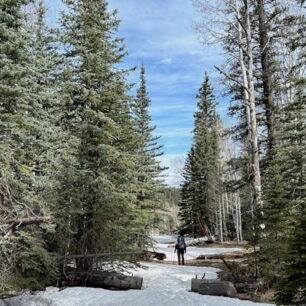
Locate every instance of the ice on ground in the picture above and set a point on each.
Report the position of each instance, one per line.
(164, 285)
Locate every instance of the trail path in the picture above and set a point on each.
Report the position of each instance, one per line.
(164, 285)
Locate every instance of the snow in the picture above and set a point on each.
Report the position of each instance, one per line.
(164, 285)
(163, 242)
(193, 252)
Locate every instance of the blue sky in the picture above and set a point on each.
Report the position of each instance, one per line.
(161, 35)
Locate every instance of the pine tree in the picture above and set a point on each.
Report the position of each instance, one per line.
(292, 149)
(187, 209)
(25, 262)
(205, 164)
(97, 192)
(147, 149)
(284, 213)
(206, 142)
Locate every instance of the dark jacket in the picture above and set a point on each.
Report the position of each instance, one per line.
(180, 245)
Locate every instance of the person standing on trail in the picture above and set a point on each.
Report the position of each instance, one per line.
(180, 248)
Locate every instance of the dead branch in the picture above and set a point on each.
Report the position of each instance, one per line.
(27, 221)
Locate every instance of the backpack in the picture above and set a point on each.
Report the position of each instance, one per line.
(181, 243)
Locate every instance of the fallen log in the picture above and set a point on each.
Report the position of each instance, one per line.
(103, 279)
(197, 241)
(222, 288)
(96, 255)
(27, 221)
(213, 287)
(222, 256)
(195, 283)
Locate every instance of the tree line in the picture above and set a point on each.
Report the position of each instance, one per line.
(78, 167)
(248, 181)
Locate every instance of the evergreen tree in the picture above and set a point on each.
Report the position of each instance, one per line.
(97, 192)
(187, 209)
(203, 164)
(25, 262)
(206, 146)
(147, 149)
(291, 156)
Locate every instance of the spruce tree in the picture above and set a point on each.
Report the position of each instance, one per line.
(24, 259)
(147, 149)
(205, 163)
(206, 148)
(187, 209)
(97, 191)
(291, 287)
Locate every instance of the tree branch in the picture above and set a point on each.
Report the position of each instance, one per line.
(234, 80)
(27, 221)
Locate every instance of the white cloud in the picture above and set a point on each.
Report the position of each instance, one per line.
(166, 61)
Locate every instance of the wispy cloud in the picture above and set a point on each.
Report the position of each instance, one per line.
(160, 34)
(166, 61)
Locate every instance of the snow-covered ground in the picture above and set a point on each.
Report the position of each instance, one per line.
(163, 243)
(164, 285)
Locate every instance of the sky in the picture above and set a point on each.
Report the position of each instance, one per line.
(161, 35)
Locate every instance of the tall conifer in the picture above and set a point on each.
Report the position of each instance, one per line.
(147, 150)
(24, 260)
(96, 114)
(204, 164)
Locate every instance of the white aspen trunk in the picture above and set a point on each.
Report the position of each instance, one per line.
(226, 203)
(237, 218)
(220, 222)
(245, 81)
(224, 215)
(217, 222)
(239, 209)
(254, 138)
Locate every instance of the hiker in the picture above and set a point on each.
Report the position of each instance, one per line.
(180, 248)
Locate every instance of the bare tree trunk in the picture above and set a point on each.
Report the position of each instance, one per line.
(245, 80)
(226, 203)
(266, 74)
(237, 218)
(256, 180)
(239, 209)
(220, 221)
(224, 216)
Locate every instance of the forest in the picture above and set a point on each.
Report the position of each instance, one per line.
(80, 159)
